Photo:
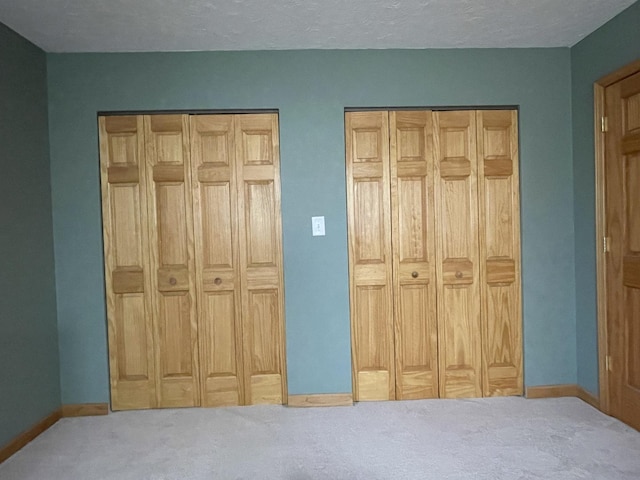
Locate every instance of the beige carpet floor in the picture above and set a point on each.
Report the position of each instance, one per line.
(502, 438)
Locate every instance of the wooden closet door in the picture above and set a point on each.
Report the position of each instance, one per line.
(457, 259)
(498, 188)
(171, 259)
(370, 258)
(413, 240)
(218, 289)
(127, 274)
(261, 267)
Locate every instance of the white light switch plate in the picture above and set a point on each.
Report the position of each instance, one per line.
(317, 226)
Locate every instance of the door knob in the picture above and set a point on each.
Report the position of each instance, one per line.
(458, 274)
(217, 281)
(172, 281)
(414, 274)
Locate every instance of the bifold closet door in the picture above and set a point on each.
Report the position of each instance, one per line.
(413, 246)
(257, 151)
(236, 191)
(370, 256)
(215, 206)
(498, 185)
(193, 260)
(171, 259)
(127, 274)
(442, 318)
(457, 258)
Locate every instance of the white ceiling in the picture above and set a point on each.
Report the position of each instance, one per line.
(184, 25)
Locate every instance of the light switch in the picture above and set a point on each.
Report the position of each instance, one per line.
(317, 226)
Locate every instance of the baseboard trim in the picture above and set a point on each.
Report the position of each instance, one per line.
(588, 398)
(321, 400)
(552, 391)
(27, 436)
(568, 390)
(85, 410)
(78, 410)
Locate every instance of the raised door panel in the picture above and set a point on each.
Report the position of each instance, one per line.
(127, 274)
(457, 262)
(169, 199)
(414, 279)
(622, 173)
(217, 259)
(260, 254)
(370, 257)
(499, 226)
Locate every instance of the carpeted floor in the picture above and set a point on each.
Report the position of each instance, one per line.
(502, 438)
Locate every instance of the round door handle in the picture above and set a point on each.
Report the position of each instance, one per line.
(459, 274)
(414, 274)
(217, 281)
(172, 281)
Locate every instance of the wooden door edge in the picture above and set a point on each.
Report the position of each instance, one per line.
(601, 231)
(349, 201)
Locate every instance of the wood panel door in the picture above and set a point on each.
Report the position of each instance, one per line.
(499, 226)
(370, 257)
(450, 325)
(413, 242)
(215, 206)
(172, 259)
(193, 259)
(457, 257)
(622, 198)
(260, 254)
(126, 243)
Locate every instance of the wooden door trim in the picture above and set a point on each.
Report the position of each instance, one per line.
(601, 230)
(601, 279)
(620, 74)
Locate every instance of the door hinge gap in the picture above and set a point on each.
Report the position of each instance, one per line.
(607, 361)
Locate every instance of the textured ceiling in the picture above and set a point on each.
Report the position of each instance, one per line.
(182, 25)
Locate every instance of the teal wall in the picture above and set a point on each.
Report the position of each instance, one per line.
(604, 51)
(29, 372)
(311, 90)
